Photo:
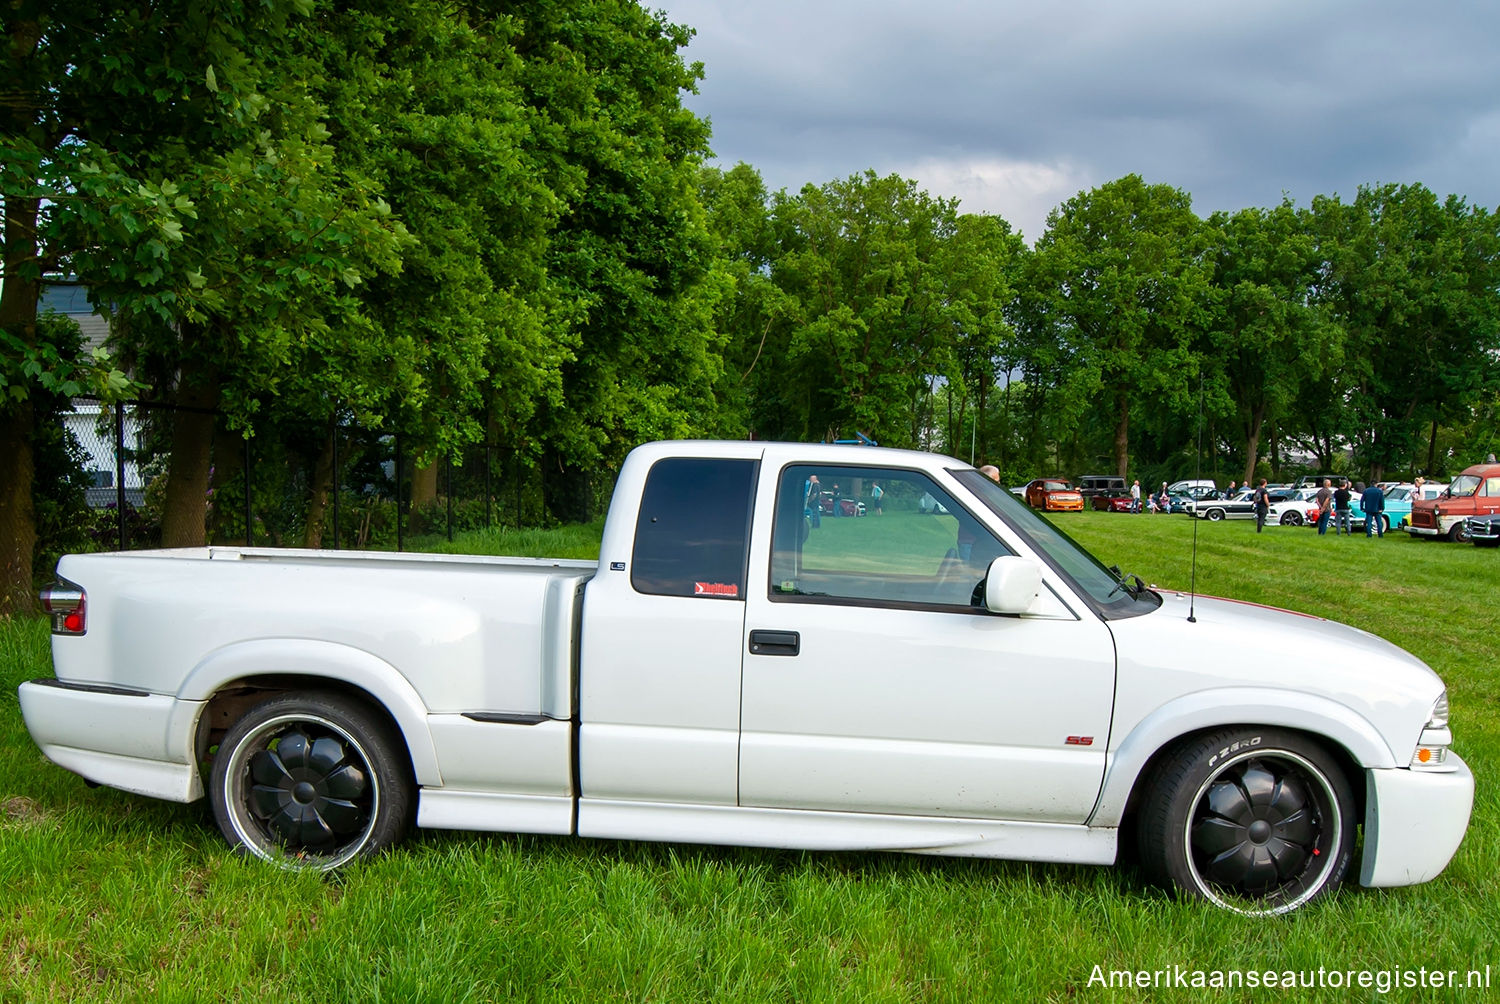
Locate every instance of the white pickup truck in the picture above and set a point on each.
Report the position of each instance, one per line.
(748, 665)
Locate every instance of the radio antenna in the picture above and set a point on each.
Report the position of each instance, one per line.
(1197, 475)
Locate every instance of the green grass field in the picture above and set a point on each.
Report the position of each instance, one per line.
(107, 896)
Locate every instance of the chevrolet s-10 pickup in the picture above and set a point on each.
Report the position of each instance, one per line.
(934, 669)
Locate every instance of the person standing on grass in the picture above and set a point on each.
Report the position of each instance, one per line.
(1341, 498)
(1372, 504)
(877, 493)
(1229, 492)
(1325, 503)
(1135, 496)
(1262, 500)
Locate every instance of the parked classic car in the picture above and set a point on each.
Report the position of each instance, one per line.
(1053, 494)
(1215, 507)
(1484, 531)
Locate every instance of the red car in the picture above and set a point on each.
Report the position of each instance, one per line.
(1053, 494)
(1112, 503)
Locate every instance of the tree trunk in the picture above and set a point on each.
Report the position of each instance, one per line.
(17, 518)
(1252, 443)
(1431, 450)
(18, 299)
(230, 482)
(185, 506)
(1122, 436)
(319, 484)
(566, 490)
(423, 497)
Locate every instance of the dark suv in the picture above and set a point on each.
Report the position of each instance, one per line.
(1101, 484)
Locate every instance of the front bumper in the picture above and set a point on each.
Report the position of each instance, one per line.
(125, 739)
(1414, 821)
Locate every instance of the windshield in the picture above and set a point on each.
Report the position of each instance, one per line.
(1057, 486)
(1101, 586)
(1464, 484)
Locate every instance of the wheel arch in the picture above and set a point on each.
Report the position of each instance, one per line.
(1349, 738)
(232, 679)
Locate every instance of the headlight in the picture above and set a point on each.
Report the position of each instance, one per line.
(1439, 717)
(1432, 747)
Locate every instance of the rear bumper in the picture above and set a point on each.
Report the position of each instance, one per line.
(125, 739)
(1414, 822)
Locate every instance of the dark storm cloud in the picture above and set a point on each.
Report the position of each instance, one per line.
(1013, 107)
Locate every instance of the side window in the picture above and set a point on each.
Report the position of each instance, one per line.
(1492, 487)
(875, 536)
(692, 535)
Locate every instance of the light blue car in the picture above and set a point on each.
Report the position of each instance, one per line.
(1397, 505)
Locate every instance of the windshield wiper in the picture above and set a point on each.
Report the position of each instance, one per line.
(1134, 588)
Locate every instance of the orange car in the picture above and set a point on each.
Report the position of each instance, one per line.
(1053, 494)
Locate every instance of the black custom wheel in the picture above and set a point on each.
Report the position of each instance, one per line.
(311, 780)
(1215, 515)
(1258, 821)
(1291, 519)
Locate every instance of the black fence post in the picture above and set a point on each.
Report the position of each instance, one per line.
(120, 469)
(488, 451)
(400, 529)
(448, 477)
(335, 478)
(515, 467)
(249, 537)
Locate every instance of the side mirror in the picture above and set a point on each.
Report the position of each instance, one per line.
(1011, 585)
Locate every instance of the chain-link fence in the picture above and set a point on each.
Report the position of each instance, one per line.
(315, 485)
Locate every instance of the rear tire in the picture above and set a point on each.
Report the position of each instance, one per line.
(311, 781)
(1259, 821)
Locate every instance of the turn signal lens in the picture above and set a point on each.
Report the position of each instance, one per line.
(1429, 756)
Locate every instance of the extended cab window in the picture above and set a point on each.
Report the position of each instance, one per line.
(875, 536)
(692, 536)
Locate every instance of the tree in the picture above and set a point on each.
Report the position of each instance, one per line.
(863, 324)
(66, 70)
(1413, 283)
(1123, 269)
(631, 255)
(1266, 340)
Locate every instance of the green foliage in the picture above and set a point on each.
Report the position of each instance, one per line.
(52, 363)
(1123, 277)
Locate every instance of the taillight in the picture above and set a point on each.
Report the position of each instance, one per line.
(66, 603)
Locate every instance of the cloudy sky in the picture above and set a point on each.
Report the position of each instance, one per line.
(1015, 105)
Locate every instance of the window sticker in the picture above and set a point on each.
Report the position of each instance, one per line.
(716, 589)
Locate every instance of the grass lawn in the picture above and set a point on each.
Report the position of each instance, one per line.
(107, 896)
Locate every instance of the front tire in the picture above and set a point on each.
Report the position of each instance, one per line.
(311, 781)
(1258, 821)
(1291, 519)
(1214, 515)
(1459, 532)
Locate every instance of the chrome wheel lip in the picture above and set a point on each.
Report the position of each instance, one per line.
(1331, 822)
(252, 835)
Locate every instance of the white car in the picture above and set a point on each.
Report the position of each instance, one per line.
(965, 681)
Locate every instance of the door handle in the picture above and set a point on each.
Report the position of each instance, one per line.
(775, 643)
